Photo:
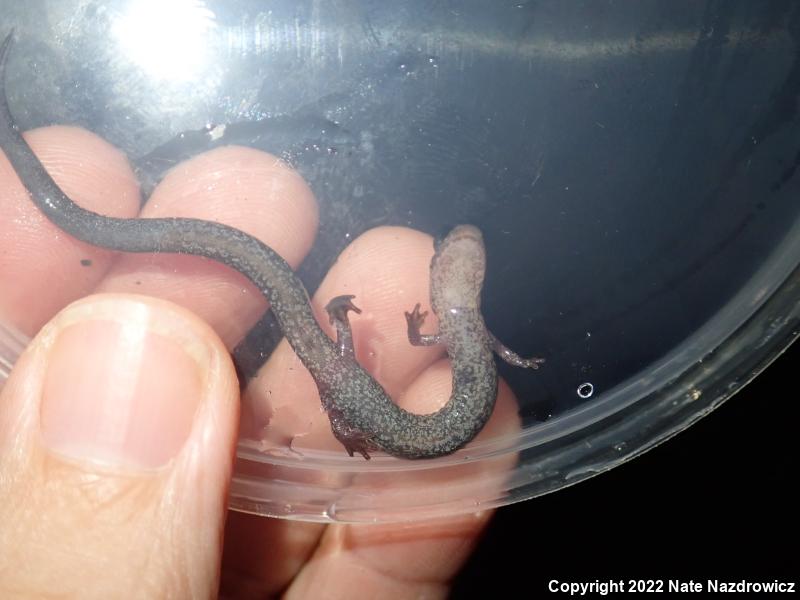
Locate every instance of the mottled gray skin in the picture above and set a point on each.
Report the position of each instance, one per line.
(457, 271)
(361, 413)
(359, 419)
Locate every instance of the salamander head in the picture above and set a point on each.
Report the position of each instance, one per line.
(457, 270)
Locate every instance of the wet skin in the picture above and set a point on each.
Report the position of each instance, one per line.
(362, 415)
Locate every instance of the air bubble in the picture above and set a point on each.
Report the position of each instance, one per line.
(585, 390)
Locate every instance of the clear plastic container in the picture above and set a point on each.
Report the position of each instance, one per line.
(632, 167)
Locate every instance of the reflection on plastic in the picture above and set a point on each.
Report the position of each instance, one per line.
(167, 39)
(12, 343)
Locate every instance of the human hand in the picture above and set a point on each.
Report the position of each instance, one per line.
(119, 423)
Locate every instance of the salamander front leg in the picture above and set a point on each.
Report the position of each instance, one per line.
(512, 357)
(415, 319)
(337, 309)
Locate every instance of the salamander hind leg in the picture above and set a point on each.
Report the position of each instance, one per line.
(354, 440)
(337, 310)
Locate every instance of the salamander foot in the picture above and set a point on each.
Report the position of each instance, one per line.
(353, 440)
(338, 308)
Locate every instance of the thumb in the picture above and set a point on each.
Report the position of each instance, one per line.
(117, 429)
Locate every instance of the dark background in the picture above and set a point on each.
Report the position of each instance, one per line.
(717, 501)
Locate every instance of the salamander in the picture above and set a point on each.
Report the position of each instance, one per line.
(362, 415)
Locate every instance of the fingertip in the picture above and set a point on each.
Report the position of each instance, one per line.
(125, 381)
(34, 253)
(88, 169)
(247, 189)
(387, 269)
(117, 433)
